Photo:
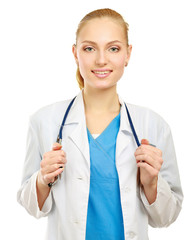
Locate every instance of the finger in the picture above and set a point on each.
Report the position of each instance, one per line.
(50, 165)
(145, 151)
(58, 158)
(153, 161)
(56, 146)
(148, 145)
(144, 158)
(149, 154)
(54, 154)
(144, 148)
(146, 167)
(52, 168)
(51, 176)
(145, 142)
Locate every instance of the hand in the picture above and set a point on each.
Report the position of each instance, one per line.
(52, 164)
(149, 160)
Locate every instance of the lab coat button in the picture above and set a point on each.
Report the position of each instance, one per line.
(127, 189)
(131, 235)
(76, 221)
(80, 178)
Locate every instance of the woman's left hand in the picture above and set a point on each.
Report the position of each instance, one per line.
(149, 160)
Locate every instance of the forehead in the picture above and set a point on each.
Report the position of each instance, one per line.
(101, 30)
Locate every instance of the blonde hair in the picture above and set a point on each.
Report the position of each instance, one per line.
(100, 13)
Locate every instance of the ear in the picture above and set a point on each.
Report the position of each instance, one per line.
(129, 50)
(74, 51)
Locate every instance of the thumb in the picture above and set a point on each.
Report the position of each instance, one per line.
(145, 142)
(56, 146)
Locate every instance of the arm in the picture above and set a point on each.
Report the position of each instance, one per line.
(33, 194)
(51, 165)
(42, 191)
(160, 190)
(149, 160)
(27, 194)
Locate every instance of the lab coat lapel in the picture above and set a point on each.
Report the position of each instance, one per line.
(125, 135)
(79, 134)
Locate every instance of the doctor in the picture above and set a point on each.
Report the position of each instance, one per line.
(106, 187)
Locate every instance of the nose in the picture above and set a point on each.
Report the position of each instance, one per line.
(101, 58)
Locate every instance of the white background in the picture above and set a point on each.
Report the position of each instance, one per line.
(37, 68)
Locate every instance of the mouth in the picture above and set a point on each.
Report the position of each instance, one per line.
(102, 73)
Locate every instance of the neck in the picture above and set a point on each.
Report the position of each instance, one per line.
(100, 101)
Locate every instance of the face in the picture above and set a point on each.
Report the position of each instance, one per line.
(101, 53)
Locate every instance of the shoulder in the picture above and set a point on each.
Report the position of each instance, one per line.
(149, 125)
(144, 116)
(147, 117)
(51, 112)
(144, 111)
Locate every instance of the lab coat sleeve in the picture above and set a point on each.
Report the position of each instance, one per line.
(168, 203)
(27, 194)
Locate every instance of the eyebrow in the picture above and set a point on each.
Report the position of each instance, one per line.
(94, 43)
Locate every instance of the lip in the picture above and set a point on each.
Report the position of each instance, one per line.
(101, 73)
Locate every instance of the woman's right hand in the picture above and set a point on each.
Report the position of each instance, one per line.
(52, 164)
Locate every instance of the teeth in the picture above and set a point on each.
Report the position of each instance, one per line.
(97, 72)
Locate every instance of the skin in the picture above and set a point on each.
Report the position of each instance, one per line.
(149, 161)
(95, 52)
(52, 165)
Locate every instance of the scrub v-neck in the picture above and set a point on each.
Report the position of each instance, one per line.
(103, 132)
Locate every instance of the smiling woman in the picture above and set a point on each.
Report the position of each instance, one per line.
(101, 56)
(103, 16)
(112, 186)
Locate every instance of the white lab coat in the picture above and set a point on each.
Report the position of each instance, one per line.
(66, 205)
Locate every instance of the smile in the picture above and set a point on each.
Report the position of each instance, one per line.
(102, 73)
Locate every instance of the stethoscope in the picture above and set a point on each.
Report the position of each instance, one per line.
(59, 137)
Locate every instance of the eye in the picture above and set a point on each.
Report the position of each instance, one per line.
(88, 49)
(114, 49)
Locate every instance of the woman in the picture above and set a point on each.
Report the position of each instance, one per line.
(107, 186)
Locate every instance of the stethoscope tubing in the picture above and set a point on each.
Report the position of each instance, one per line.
(59, 138)
(132, 127)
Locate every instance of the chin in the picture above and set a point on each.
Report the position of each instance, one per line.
(104, 86)
(101, 83)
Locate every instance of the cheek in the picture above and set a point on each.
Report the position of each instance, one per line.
(84, 61)
(120, 61)
(85, 64)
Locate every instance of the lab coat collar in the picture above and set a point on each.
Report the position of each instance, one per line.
(79, 134)
(77, 113)
(124, 122)
(125, 135)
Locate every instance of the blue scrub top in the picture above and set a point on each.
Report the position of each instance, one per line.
(104, 217)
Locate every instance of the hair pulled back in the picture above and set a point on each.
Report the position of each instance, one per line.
(100, 13)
